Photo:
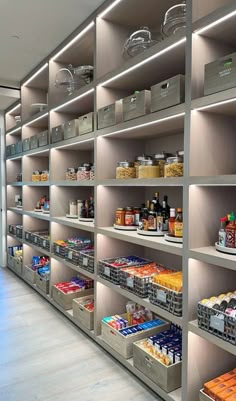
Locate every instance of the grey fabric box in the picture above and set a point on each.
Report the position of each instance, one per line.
(168, 93)
(19, 147)
(86, 124)
(136, 105)
(71, 129)
(110, 115)
(220, 74)
(26, 144)
(43, 138)
(8, 151)
(58, 133)
(34, 142)
(13, 149)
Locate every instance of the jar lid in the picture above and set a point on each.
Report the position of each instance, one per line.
(175, 159)
(36, 172)
(125, 164)
(180, 153)
(162, 156)
(129, 209)
(148, 163)
(120, 209)
(143, 157)
(45, 172)
(71, 170)
(87, 165)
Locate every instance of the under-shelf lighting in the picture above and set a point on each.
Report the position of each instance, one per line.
(210, 106)
(36, 74)
(73, 144)
(14, 157)
(35, 152)
(36, 119)
(14, 108)
(158, 54)
(83, 32)
(217, 22)
(145, 124)
(14, 131)
(73, 100)
(109, 8)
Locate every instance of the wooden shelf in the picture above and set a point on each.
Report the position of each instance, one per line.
(37, 215)
(37, 248)
(136, 182)
(73, 267)
(80, 103)
(15, 184)
(38, 120)
(210, 255)
(20, 240)
(75, 223)
(15, 210)
(223, 102)
(220, 180)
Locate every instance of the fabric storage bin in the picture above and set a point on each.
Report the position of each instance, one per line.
(204, 397)
(136, 105)
(220, 74)
(8, 151)
(110, 115)
(13, 149)
(82, 314)
(86, 260)
(168, 93)
(170, 300)
(43, 138)
(26, 145)
(42, 283)
(58, 133)
(33, 142)
(124, 344)
(29, 274)
(28, 236)
(17, 266)
(86, 123)
(71, 129)
(166, 377)
(19, 147)
(65, 300)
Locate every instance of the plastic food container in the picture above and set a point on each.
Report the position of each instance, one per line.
(175, 20)
(174, 166)
(148, 169)
(125, 170)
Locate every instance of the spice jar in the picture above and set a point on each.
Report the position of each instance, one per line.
(36, 176)
(73, 208)
(120, 217)
(83, 173)
(71, 174)
(174, 166)
(160, 158)
(138, 160)
(45, 175)
(125, 170)
(148, 169)
(129, 216)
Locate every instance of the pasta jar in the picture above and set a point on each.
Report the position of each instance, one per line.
(45, 175)
(36, 176)
(83, 173)
(160, 158)
(92, 173)
(71, 174)
(125, 170)
(129, 216)
(149, 169)
(120, 217)
(174, 166)
(138, 160)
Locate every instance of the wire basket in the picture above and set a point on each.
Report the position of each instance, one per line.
(12, 229)
(44, 242)
(72, 255)
(217, 323)
(86, 260)
(19, 231)
(59, 250)
(28, 236)
(36, 237)
(167, 299)
(132, 281)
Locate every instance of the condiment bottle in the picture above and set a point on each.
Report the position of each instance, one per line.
(152, 218)
(145, 216)
(79, 207)
(179, 224)
(230, 232)
(120, 216)
(222, 232)
(73, 208)
(129, 216)
(137, 212)
(172, 222)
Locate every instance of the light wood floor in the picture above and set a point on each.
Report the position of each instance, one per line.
(43, 357)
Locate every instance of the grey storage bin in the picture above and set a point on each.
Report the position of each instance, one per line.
(34, 142)
(220, 74)
(58, 133)
(43, 138)
(167, 377)
(86, 124)
(18, 147)
(168, 93)
(13, 149)
(26, 144)
(136, 105)
(8, 151)
(42, 283)
(110, 115)
(71, 129)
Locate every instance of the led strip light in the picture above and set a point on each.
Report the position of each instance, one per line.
(73, 100)
(210, 106)
(36, 119)
(36, 74)
(217, 22)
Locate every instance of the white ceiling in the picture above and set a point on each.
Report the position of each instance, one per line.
(41, 26)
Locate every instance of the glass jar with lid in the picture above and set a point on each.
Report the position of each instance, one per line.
(138, 42)
(138, 160)
(45, 175)
(149, 169)
(71, 174)
(174, 166)
(83, 172)
(125, 170)
(36, 176)
(175, 20)
(160, 158)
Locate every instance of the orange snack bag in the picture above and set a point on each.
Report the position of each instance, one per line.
(232, 398)
(215, 391)
(224, 395)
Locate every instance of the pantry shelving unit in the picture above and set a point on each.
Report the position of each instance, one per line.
(204, 127)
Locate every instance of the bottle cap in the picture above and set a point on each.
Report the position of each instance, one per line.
(224, 219)
(232, 217)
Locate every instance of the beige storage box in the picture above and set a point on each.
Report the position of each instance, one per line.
(18, 266)
(34, 142)
(42, 283)
(136, 105)
(124, 344)
(43, 138)
(26, 144)
(86, 124)
(10, 261)
(82, 314)
(110, 115)
(220, 74)
(71, 129)
(29, 274)
(168, 93)
(58, 133)
(204, 397)
(65, 300)
(166, 377)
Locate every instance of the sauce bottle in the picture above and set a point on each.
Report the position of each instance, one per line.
(179, 224)
(152, 219)
(222, 232)
(230, 232)
(145, 216)
(172, 222)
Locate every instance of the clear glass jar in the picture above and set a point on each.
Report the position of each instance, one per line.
(36, 176)
(71, 174)
(45, 175)
(148, 169)
(138, 42)
(83, 173)
(138, 160)
(73, 207)
(160, 158)
(175, 20)
(92, 175)
(125, 170)
(174, 166)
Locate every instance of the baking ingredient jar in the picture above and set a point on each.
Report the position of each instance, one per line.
(125, 170)
(129, 216)
(174, 166)
(71, 174)
(36, 176)
(120, 216)
(73, 208)
(83, 173)
(138, 160)
(160, 158)
(79, 207)
(92, 175)
(148, 169)
(45, 175)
